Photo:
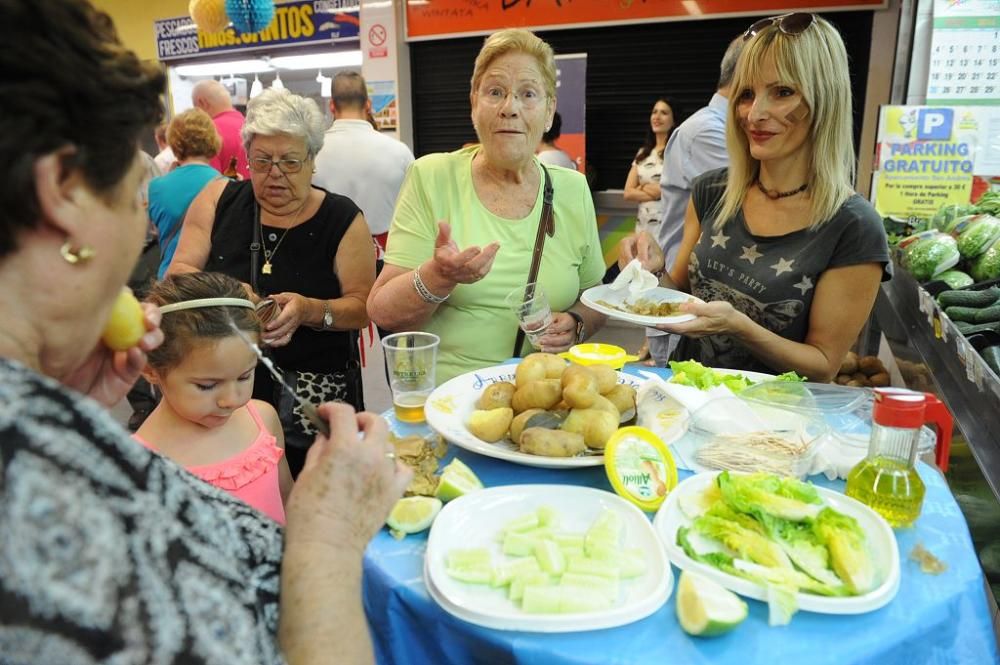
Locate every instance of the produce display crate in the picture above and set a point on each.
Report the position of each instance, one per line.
(917, 329)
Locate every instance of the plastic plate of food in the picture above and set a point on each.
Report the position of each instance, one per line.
(650, 308)
(689, 500)
(476, 524)
(450, 406)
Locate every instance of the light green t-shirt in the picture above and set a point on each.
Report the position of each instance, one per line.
(475, 326)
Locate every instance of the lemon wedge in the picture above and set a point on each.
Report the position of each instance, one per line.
(413, 514)
(457, 479)
(707, 608)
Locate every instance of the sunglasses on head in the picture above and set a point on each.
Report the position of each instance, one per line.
(791, 24)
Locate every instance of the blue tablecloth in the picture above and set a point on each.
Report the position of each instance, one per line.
(933, 619)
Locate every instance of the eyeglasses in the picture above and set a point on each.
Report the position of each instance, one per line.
(263, 165)
(791, 24)
(496, 96)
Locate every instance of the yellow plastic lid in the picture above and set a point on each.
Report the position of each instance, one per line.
(640, 467)
(598, 354)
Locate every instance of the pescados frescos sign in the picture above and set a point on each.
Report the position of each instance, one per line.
(295, 23)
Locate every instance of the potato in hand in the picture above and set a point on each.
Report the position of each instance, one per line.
(492, 425)
(127, 323)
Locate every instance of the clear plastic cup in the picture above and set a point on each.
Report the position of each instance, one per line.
(411, 358)
(531, 307)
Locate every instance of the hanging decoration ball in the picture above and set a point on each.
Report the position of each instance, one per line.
(250, 16)
(209, 15)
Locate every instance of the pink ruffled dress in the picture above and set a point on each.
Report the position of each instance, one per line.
(251, 476)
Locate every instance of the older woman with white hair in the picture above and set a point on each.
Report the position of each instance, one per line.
(306, 249)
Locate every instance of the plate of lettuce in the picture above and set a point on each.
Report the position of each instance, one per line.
(692, 373)
(783, 541)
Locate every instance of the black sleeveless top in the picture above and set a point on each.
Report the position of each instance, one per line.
(302, 264)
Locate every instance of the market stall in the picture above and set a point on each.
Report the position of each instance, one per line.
(941, 617)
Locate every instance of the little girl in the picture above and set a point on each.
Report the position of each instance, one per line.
(206, 421)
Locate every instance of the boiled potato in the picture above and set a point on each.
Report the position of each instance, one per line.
(623, 397)
(602, 403)
(551, 442)
(879, 380)
(871, 365)
(542, 394)
(126, 324)
(606, 377)
(490, 425)
(554, 365)
(529, 370)
(496, 396)
(579, 387)
(517, 425)
(595, 425)
(850, 364)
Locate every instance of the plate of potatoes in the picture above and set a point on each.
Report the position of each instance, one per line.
(543, 411)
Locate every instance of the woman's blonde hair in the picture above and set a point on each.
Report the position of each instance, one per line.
(517, 40)
(193, 134)
(815, 63)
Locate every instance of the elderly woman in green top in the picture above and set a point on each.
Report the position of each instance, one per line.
(465, 223)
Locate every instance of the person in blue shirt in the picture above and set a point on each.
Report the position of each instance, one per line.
(195, 141)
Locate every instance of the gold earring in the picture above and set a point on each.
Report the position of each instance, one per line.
(75, 256)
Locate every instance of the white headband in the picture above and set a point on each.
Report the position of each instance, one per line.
(206, 302)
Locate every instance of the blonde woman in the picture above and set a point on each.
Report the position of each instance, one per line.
(465, 223)
(786, 256)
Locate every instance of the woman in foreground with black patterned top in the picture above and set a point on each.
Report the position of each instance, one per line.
(108, 552)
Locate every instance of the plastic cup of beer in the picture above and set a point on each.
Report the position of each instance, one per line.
(411, 358)
(531, 307)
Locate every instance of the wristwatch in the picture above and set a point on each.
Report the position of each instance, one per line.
(327, 316)
(581, 329)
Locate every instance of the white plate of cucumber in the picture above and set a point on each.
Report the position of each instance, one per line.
(600, 565)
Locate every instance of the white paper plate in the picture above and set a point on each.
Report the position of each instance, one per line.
(881, 542)
(474, 521)
(451, 403)
(603, 292)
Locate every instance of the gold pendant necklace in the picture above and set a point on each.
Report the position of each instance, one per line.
(266, 268)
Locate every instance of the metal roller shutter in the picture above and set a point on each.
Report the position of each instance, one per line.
(627, 68)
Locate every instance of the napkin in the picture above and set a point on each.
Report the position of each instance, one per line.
(635, 278)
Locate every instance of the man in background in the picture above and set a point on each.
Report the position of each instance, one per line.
(696, 146)
(359, 162)
(213, 98)
(165, 158)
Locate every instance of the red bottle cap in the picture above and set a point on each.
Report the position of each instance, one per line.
(895, 407)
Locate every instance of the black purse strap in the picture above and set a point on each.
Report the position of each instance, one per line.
(546, 227)
(255, 249)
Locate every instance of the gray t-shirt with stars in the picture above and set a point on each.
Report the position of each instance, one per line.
(772, 279)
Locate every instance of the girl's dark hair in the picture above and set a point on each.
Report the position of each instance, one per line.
(67, 82)
(555, 131)
(650, 142)
(184, 329)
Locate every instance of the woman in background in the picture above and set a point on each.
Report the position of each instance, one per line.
(194, 140)
(643, 182)
(548, 152)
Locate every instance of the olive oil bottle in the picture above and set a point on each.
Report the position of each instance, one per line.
(887, 480)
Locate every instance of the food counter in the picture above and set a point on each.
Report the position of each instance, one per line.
(941, 618)
(934, 357)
